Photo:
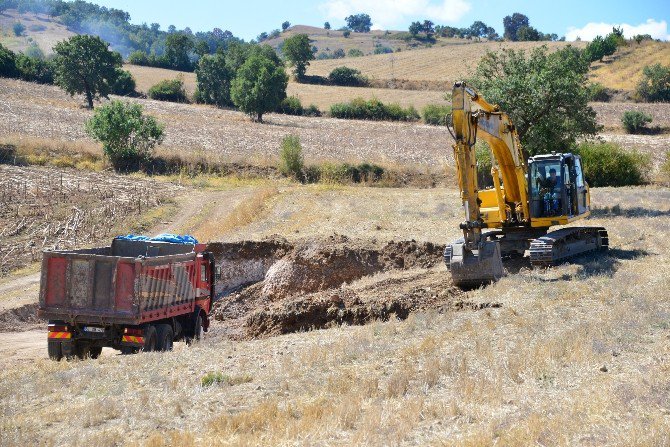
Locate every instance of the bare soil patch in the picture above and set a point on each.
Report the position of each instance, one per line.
(21, 319)
(321, 282)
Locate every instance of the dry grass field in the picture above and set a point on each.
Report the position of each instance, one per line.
(623, 70)
(43, 30)
(445, 64)
(575, 355)
(45, 112)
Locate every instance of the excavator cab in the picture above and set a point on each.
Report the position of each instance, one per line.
(557, 191)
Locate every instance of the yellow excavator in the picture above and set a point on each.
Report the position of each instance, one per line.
(526, 199)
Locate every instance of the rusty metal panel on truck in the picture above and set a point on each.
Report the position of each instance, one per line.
(129, 282)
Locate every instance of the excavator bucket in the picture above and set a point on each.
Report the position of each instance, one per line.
(474, 268)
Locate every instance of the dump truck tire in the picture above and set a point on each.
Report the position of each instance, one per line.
(165, 338)
(150, 338)
(55, 351)
(95, 351)
(197, 331)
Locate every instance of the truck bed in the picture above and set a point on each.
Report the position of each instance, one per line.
(130, 282)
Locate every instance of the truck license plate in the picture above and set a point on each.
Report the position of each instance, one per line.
(94, 329)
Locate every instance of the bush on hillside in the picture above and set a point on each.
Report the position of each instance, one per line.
(372, 109)
(344, 173)
(311, 110)
(7, 63)
(346, 76)
(33, 69)
(635, 121)
(291, 106)
(435, 115)
(598, 92)
(291, 161)
(608, 164)
(124, 84)
(138, 58)
(168, 90)
(19, 28)
(127, 136)
(655, 83)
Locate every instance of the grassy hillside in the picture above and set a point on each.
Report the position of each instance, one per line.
(446, 64)
(330, 40)
(623, 70)
(40, 29)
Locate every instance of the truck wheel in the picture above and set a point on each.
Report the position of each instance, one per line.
(197, 331)
(95, 351)
(82, 350)
(149, 339)
(165, 338)
(55, 351)
(127, 350)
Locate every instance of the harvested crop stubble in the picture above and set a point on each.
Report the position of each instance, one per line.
(44, 208)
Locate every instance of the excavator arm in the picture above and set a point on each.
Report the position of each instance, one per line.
(476, 261)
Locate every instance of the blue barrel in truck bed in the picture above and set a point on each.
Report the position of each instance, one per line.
(125, 288)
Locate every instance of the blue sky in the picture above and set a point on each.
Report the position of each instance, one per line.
(247, 19)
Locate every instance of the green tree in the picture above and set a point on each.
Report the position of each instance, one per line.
(214, 78)
(635, 121)
(528, 33)
(513, 23)
(33, 69)
(415, 28)
(655, 83)
(545, 94)
(127, 136)
(177, 49)
(298, 53)
(201, 48)
(286, 25)
(259, 86)
(359, 23)
(326, 25)
(85, 65)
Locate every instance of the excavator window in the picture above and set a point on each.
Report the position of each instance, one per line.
(547, 180)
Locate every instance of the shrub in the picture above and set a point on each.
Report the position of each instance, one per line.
(7, 63)
(127, 136)
(435, 115)
(138, 58)
(608, 164)
(665, 167)
(346, 33)
(19, 28)
(346, 173)
(635, 121)
(291, 106)
(124, 84)
(598, 92)
(355, 52)
(347, 77)
(372, 109)
(311, 110)
(32, 69)
(34, 51)
(655, 83)
(383, 50)
(291, 162)
(214, 378)
(168, 90)
(37, 27)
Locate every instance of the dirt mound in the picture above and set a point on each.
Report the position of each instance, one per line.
(334, 281)
(20, 319)
(326, 264)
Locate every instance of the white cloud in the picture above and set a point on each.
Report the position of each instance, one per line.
(386, 14)
(657, 30)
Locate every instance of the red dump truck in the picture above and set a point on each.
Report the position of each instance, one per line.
(133, 295)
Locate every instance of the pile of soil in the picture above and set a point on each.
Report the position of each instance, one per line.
(335, 280)
(19, 319)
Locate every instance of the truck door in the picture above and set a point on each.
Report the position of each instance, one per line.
(581, 187)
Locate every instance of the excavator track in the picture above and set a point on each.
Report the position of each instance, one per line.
(565, 243)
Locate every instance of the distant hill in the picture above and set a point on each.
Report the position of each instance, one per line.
(328, 41)
(41, 29)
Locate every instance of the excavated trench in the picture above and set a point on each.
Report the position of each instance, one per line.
(274, 287)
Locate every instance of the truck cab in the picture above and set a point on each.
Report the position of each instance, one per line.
(558, 193)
